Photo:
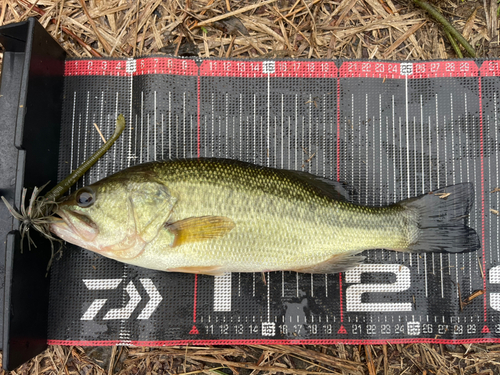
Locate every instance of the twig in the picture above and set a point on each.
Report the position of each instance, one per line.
(402, 38)
(255, 367)
(480, 267)
(2, 13)
(234, 13)
(100, 133)
(29, 10)
(136, 27)
(294, 12)
(369, 360)
(59, 17)
(461, 303)
(112, 359)
(448, 26)
(105, 44)
(41, 12)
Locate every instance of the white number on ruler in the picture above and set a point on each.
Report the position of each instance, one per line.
(413, 328)
(406, 69)
(420, 68)
(495, 279)
(392, 68)
(354, 292)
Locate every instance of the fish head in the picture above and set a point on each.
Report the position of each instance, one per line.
(115, 217)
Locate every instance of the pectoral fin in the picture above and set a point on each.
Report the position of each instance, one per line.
(195, 229)
(207, 270)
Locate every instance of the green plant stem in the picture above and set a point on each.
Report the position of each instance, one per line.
(63, 186)
(447, 26)
(454, 44)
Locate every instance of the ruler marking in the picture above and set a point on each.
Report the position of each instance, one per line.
(468, 175)
(255, 128)
(86, 176)
(310, 151)
(437, 144)
(282, 283)
(222, 292)
(142, 125)
(430, 154)
(496, 166)
(481, 140)
(407, 138)
(326, 285)
(338, 129)
(394, 157)
(72, 136)
(415, 153)
(241, 126)
(312, 285)
(441, 274)
(422, 142)
(122, 148)
(425, 272)
(297, 283)
(366, 149)
(162, 137)
(169, 125)
(148, 137)
(100, 161)
(268, 297)
(352, 136)
(155, 129)
(184, 123)
(282, 129)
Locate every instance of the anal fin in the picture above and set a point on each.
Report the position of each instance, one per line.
(336, 264)
(202, 270)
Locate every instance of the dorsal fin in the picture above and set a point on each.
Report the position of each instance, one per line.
(333, 189)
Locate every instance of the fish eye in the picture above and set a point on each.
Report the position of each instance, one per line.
(85, 197)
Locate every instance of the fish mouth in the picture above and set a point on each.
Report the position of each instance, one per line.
(74, 227)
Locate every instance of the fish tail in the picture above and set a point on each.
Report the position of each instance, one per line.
(439, 221)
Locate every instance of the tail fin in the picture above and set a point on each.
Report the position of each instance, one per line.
(441, 217)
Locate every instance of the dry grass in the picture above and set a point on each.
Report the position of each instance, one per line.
(268, 359)
(380, 29)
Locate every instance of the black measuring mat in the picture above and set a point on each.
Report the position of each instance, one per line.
(392, 130)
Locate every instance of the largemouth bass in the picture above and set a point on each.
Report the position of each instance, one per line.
(212, 216)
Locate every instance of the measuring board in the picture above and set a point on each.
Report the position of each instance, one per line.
(391, 130)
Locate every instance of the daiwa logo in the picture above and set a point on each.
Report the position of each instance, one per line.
(134, 299)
